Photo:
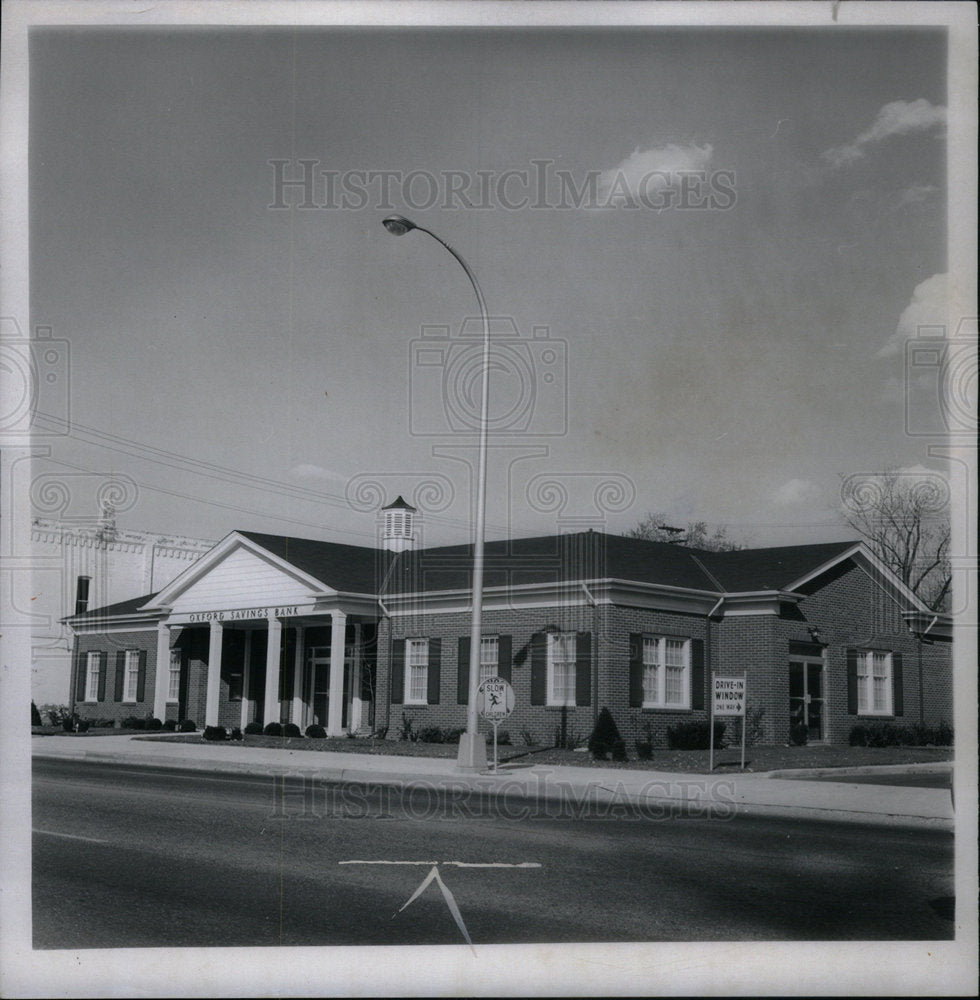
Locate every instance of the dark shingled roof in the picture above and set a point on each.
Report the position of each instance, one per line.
(109, 610)
(542, 559)
(350, 568)
(769, 569)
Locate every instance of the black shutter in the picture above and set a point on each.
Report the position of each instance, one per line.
(539, 668)
(852, 682)
(81, 672)
(463, 670)
(697, 674)
(398, 672)
(504, 657)
(898, 698)
(141, 677)
(117, 691)
(636, 670)
(583, 668)
(103, 670)
(435, 656)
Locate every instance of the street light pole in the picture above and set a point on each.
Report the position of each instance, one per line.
(472, 754)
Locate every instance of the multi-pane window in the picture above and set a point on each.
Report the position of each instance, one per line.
(874, 683)
(489, 657)
(666, 672)
(92, 669)
(416, 670)
(131, 673)
(561, 668)
(173, 686)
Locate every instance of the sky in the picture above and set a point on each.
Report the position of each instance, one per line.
(704, 251)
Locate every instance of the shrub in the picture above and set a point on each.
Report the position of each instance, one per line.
(605, 738)
(381, 732)
(154, 724)
(887, 734)
(273, 729)
(170, 725)
(35, 716)
(81, 726)
(407, 732)
(694, 735)
(68, 724)
(291, 729)
(530, 740)
(452, 735)
(133, 723)
(503, 738)
(215, 733)
(644, 749)
(316, 732)
(798, 734)
(56, 714)
(187, 726)
(431, 734)
(253, 729)
(236, 734)
(102, 723)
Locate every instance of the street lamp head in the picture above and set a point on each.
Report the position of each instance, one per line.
(398, 225)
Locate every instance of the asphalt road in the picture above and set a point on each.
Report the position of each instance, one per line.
(131, 857)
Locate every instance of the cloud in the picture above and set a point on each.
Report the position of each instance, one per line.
(314, 473)
(925, 315)
(646, 174)
(915, 194)
(795, 491)
(896, 118)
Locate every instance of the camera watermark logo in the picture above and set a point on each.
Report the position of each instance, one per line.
(941, 381)
(529, 376)
(36, 382)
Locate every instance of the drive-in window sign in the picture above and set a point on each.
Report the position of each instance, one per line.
(495, 699)
(729, 696)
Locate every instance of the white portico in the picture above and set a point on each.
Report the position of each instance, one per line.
(281, 643)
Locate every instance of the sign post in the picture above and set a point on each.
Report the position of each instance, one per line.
(495, 701)
(728, 696)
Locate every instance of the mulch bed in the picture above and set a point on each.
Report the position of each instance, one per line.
(757, 758)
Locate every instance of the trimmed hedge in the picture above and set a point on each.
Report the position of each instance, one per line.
(694, 735)
(253, 729)
(236, 734)
(888, 734)
(605, 738)
(215, 733)
(316, 732)
(187, 726)
(273, 729)
(291, 729)
(170, 725)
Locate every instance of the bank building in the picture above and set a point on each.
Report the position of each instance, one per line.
(360, 639)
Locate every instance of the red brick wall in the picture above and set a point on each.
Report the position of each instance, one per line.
(110, 643)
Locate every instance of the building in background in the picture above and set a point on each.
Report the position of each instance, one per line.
(78, 566)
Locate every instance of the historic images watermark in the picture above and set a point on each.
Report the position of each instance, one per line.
(544, 795)
(306, 183)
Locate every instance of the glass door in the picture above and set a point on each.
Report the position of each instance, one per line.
(806, 697)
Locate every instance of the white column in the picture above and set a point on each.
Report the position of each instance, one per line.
(214, 674)
(355, 683)
(335, 710)
(162, 683)
(297, 715)
(246, 679)
(271, 711)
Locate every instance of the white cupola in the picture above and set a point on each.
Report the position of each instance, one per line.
(399, 529)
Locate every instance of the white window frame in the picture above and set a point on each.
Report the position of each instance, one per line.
(655, 670)
(569, 641)
(93, 667)
(131, 674)
(867, 661)
(489, 656)
(416, 671)
(173, 682)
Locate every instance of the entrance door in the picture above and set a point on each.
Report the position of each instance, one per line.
(806, 696)
(318, 670)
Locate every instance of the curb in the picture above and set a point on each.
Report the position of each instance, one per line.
(933, 767)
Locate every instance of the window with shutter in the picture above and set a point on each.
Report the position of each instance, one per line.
(666, 671)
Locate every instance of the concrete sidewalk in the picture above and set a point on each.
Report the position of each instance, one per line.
(656, 793)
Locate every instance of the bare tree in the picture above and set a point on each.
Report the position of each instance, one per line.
(904, 516)
(695, 536)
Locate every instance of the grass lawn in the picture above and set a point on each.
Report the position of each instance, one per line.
(757, 758)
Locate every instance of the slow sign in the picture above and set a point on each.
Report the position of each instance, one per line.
(495, 699)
